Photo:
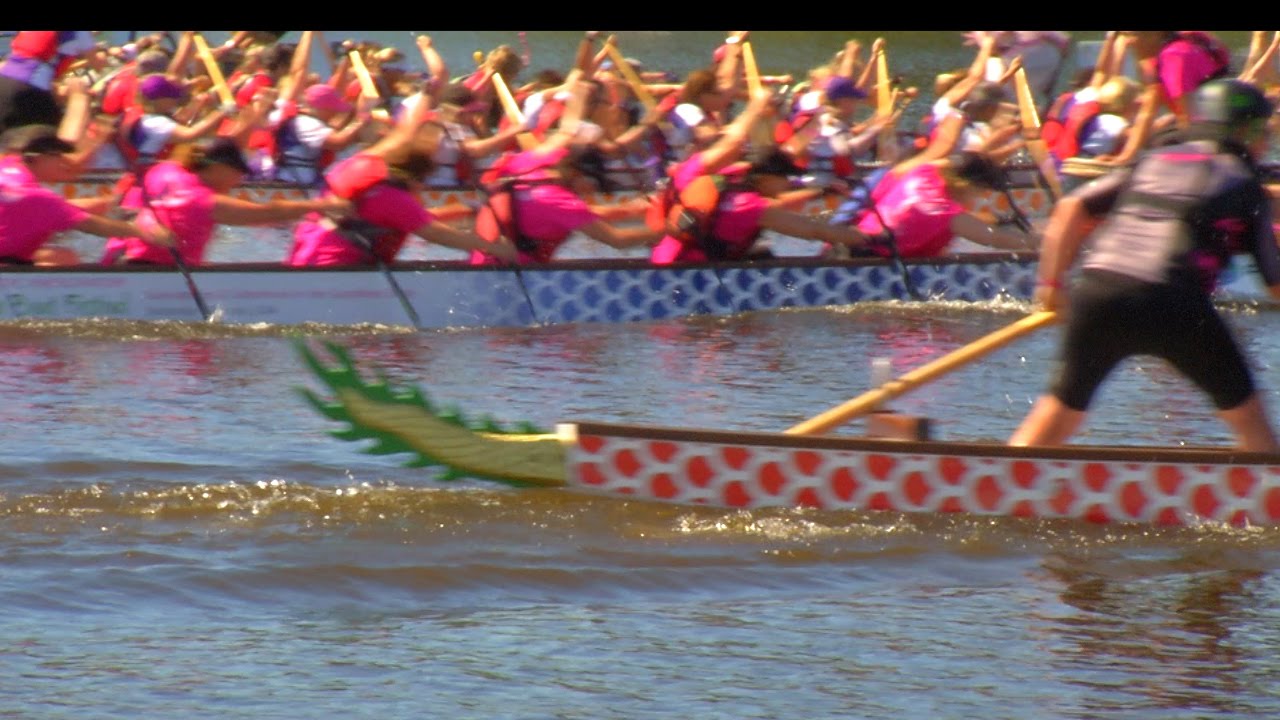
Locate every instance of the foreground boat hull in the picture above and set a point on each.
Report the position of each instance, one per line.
(757, 470)
(753, 470)
(456, 295)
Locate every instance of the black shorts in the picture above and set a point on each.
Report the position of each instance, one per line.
(1115, 316)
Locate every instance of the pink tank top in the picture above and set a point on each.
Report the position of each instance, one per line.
(917, 209)
(29, 212)
(183, 204)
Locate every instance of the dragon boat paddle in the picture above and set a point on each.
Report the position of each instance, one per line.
(891, 240)
(527, 141)
(515, 266)
(359, 232)
(1036, 145)
(215, 72)
(953, 360)
(127, 181)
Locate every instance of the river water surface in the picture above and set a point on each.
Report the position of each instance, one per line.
(180, 536)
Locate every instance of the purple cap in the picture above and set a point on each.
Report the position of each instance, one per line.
(157, 87)
(840, 88)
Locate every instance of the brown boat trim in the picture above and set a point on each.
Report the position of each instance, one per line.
(576, 264)
(1110, 453)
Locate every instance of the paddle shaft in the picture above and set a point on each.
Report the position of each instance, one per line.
(367, 244)
(480, 188)
(128, 181)
(872, 399)
(761, 134)
(196, 295)
(1035, 144)
(215, 72)
(512, 111)
(629, 74)
(894, 254)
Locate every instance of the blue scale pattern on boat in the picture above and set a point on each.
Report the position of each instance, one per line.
(630, 295)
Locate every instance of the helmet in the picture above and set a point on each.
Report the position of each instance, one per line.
(1229, 102)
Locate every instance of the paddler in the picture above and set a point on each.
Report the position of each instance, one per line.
(716, 208)
(31, 214)
(1173, 223)
(384, 182)
(149, 135)
(535, 197)
(190, 196)
(1173, 64)
(922, 204)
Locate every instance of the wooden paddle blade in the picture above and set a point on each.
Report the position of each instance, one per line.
(749, 65)
(512, 111)
(1036, 145)
(215, 72)
(629, 74)
(953, 360)
(761, 133)
(884, 94)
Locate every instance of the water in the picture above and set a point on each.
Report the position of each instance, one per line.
(180, 537)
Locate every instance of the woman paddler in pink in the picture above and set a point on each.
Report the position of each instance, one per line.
(535, 197)
(741, 199)
(189, 195)
(384, 182)
(31, 214)
(924, 202)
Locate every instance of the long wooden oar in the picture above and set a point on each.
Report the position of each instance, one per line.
(512, 111)
(215, 72)
(629, 74)
(872, 399)
(884, 93)
(365, 242)
(885, 96)
(1036, 145)
(761, 133)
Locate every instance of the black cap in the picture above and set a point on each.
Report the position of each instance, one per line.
(225, 151)
(35, 140)
(771, 161)
(979, 169)
(590, 161)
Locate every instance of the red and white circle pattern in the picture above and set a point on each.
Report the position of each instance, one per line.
(752, 476)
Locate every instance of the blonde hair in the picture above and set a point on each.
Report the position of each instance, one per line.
(1118, 94)
(505, 62)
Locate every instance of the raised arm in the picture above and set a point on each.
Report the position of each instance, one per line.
(975, 75)
(849, 59)
(436, 65)
(182, 55)
(728, 146)
(727, 78)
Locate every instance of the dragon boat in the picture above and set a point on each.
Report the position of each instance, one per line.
(453, 294)
(747, 470)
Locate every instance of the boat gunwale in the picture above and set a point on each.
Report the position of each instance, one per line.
(1100, 453)
(576, 264)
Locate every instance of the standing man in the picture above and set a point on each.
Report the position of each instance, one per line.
(1175, 220)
